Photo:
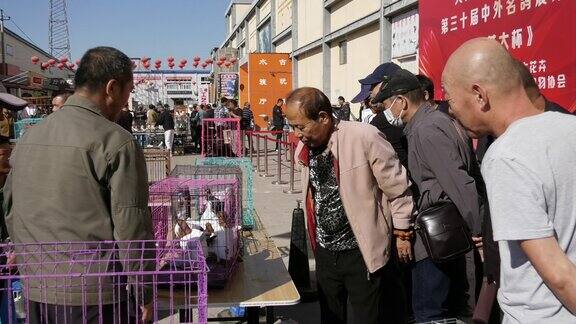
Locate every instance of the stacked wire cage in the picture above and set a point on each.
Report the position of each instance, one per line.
(208, 210)
(218, 172)
(248, 213)
(221, 137)
(103, 282)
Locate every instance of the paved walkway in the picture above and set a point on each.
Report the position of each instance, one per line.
(274, 208)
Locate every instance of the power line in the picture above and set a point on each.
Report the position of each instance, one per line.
(24, 33)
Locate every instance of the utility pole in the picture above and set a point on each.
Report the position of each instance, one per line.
(2, 19)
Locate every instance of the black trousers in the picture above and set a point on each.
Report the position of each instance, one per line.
(41, 313)
(375, 298)
(279, 135)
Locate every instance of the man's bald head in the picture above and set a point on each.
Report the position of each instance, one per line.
(58, 101)
(483, 85)
(484, 61)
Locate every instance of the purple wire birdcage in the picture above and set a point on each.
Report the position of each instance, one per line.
(205, 209)
(221, 137)
(104, 282)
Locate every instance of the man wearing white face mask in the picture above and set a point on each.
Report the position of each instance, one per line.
(442, 164)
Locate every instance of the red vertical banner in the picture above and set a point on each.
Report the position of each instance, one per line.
(540, 33)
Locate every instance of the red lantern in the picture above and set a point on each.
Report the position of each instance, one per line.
(204, 65)
(209, 61)
(71, 65)
(51, 61)
(170, 59)
(227, 64)
(146, 65)
(197, 59)
(158, 61)
(60, 66)
(233, 60)
(195, 64)
(35, 59)
(144, 59)
(63, 59)
(171, 65)
(222, 58)
(183, 61)
(219, 63)
(45, 65)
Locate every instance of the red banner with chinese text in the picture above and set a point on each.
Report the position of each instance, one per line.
(540, 33)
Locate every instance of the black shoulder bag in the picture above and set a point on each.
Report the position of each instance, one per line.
(443, 230)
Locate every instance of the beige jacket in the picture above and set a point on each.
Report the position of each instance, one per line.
(374, 189)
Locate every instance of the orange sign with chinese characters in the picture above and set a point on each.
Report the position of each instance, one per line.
(269, 79)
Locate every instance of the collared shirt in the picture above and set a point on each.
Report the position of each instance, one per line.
(333, 229)
(76, 176)
(443, 165)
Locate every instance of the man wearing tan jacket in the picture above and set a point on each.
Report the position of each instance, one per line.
(357, 196)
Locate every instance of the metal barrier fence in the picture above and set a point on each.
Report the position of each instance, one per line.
(221, 137)
(284, 151)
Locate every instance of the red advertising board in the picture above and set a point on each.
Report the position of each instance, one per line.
(540, 33)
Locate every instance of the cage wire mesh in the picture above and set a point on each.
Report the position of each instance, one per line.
(221, 137)
(21, 126)
(248, 194)
(157, 164)
(103, 282)
(208, 210)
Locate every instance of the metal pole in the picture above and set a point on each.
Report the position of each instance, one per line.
(285, 139)
(266, 174)
(291, 190)
(250, 146)
(278, 180)
(257, 152)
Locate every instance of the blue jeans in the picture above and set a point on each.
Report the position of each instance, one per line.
(439, 290)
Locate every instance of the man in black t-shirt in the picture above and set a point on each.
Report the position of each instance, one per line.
(278, 119)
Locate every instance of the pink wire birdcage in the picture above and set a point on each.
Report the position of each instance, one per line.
(209, 210)
(103, 282)
(221, 137)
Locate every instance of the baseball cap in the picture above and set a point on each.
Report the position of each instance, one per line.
(401, 82)
(378, 75)
(10, 101)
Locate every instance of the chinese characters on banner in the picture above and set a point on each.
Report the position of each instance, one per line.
(203, 94)
(270, 78)
(540, 33)
(228, 85)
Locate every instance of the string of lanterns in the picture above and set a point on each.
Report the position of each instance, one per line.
(145, 62)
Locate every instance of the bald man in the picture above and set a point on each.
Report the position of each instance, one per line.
(530, 180)
(58, 101)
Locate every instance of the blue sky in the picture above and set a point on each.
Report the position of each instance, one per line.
(155, 28)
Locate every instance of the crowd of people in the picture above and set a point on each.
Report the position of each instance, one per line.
(407, 223)
(417, 211)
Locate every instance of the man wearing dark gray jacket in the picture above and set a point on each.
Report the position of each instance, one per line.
(443, 166)
(78, 176)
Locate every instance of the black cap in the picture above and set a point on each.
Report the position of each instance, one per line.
(400, 83)
(382, 72)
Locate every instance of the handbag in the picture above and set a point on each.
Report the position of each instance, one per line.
(443, 231)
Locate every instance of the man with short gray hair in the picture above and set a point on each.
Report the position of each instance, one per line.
(78, 176)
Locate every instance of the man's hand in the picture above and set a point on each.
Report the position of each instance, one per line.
(404, 248)
(477, 241)
(406, 235)
(147, 312)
